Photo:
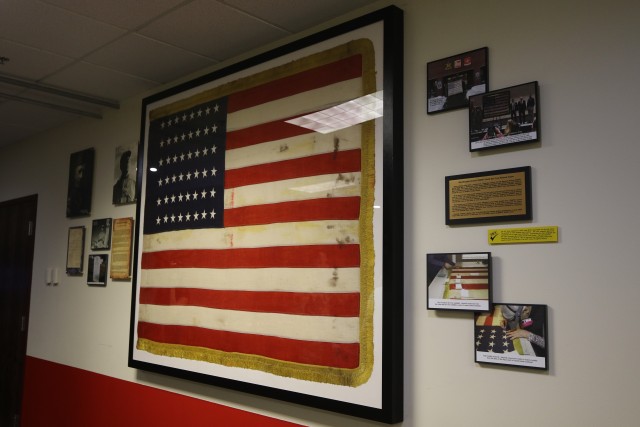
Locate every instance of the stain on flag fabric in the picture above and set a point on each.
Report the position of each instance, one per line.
(257, 244)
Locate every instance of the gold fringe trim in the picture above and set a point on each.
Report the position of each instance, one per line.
(346, 377)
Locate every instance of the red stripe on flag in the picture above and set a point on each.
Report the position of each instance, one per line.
(341, 161)
(311, 256)
(271, 131)
(470, 286)
(337, 355)
(488, 321)
(479, 276)
(311, 304)
(324, 75)
(328, 208)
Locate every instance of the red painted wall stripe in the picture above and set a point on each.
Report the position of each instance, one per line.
(317, 77)
(320, 256)
(338, 355)
(57, 395)
(340, 208)
(311, 304)
(329, 163)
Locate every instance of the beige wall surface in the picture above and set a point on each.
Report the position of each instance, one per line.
(585, 175)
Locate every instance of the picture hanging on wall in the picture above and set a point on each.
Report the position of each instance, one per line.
(262, 260)
(451, 81)
(75, 250)
(512, 334)
(97, 270)
(80, 183)
(503, 117)
(491, 196)
(459, 281)
(124, 176)
(101, 234)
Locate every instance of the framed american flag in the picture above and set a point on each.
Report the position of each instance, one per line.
(269, 239)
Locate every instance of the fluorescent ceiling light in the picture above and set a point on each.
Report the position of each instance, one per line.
(344, 115)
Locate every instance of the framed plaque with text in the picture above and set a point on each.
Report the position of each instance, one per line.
(493, 196)
(121, 249)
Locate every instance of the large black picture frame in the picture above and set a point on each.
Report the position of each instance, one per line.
(377, 395)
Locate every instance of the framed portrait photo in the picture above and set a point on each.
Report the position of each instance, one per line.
(262, 260)
(97, 270)
(459, 281)
(80, 183)
(508, 116)
(101, 234)
(124, 175)
(512, 334)
(453, 80)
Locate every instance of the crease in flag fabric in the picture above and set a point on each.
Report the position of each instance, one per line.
(257, 246)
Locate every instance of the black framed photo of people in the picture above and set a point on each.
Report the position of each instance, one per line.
(512, 334)
(452, 80)
(504, 117)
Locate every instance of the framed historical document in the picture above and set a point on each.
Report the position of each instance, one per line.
(121, 250)
(512, 334)
(453, 80)
(459, 281)
(80, 183)
(97, 275)
(101, 234)
(493, 196)
(263, 261)
(75, 250)
(502, 117)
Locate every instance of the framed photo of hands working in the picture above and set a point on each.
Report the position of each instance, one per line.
(512, 334)
(459, 281)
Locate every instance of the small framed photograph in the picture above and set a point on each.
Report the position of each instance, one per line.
(98, 270)
(124, 175)
(75, 250)
(101, 234)
(459, 281)
(492, 196)
(80, 183)
(452, 81)
(512, 334)
(504, 117)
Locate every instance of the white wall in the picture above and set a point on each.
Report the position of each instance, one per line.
(586, 57)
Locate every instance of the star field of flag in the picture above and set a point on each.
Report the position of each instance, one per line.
(188, 151)
(493, 339)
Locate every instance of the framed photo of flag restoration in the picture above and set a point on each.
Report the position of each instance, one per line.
(268, 249)
(459, 281)
(503, 117)
(513, 334)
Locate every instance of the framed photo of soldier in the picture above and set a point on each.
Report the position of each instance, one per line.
(124, 176)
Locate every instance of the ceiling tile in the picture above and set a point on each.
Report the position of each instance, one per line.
(147, 58)
(212, 29)
(42, 26)
(99, 81)
(122, 13)
(29, 63)
(287, 14)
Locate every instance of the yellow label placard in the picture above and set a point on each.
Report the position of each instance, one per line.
(547, 234)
